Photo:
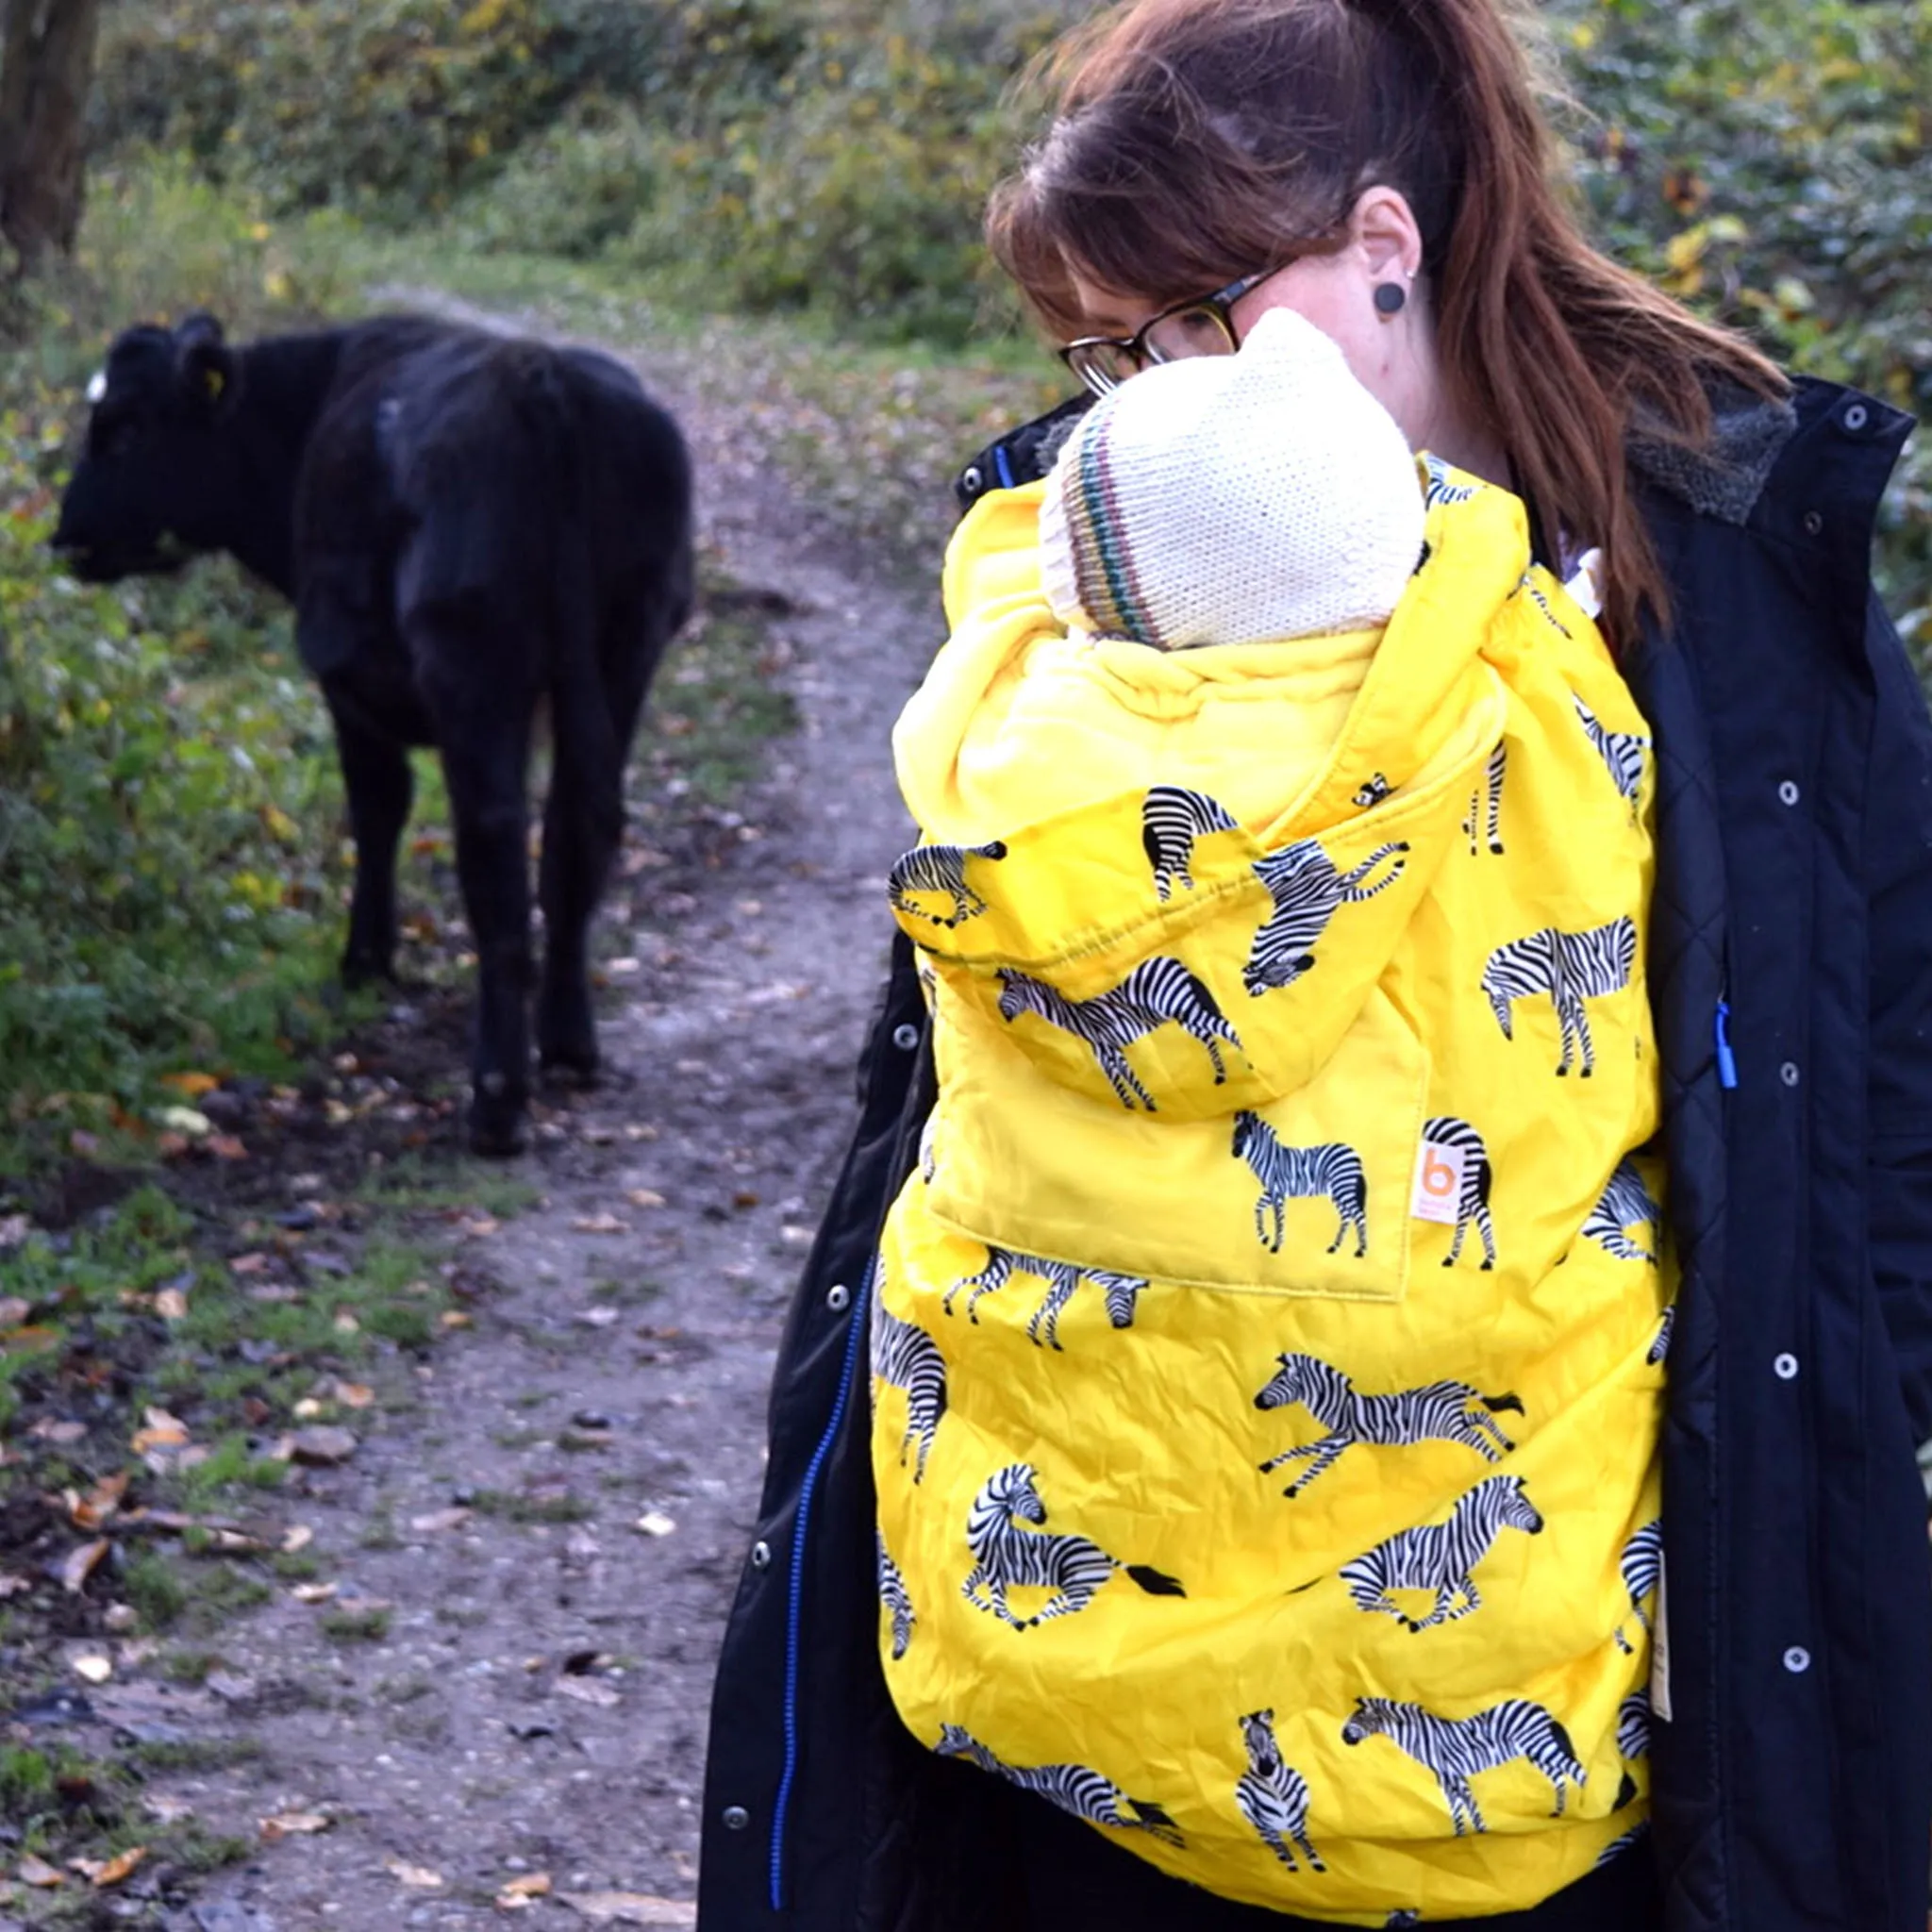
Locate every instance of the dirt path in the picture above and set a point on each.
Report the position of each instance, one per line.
(537, 1703)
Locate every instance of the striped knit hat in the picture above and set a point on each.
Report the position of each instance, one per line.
(1232, 499)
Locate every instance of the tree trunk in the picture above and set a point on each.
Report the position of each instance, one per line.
(46, 68)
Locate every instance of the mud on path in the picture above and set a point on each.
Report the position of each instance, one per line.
(557, 1522)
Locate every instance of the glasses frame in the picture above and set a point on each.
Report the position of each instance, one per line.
(1141, 351)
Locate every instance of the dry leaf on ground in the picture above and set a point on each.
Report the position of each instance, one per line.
(295, 1825)
(516, 1895)
(645, 1197)
(314, 1592)
(586, 1691)
(655, 1523)
(160, 1430)
(36, 1871)
(92, 1668)
(171, 1304)
(78, 1565)
(322, 1448)
(440, 1518)
(419, 1878)
(14, 1311)
(112, 1871)
(297, 1537)
(600, 1223)
(354, 1395)
(91, 1511)
(14, 1586)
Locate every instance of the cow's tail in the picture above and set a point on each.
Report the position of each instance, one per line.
(587, 760)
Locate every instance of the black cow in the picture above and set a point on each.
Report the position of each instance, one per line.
(469, 525)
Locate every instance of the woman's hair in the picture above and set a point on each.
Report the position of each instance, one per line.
(1198, 139)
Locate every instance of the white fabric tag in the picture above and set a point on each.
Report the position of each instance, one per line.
(1582, 584)
(1660, 1651)
(1437, 1183)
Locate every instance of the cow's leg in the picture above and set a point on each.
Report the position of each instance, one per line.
(375, 775)
(482, 724)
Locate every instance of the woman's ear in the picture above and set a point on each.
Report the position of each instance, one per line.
(1383, 227)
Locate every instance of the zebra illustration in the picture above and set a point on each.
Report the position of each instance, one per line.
(1641, 1566)
(1446, 1133)
(1302, 1173)
(1486, 803)
(1571, 968)
(1616, 1847)
(904, 1357)
(1541, 602)
(942, 870)
(894, 1598)
(1376, 788)
(1441, 1556)
(1623, 753)
(1171, 819)
(1154, 993)
(1073, 1788)
(1062, 1279)
(1459, 1748)
(1441, 488)
(1008, 1558)
(1439, 1413)
(1633, 1725)
(1625, 1202)
(928, 1152)
(1405, 1919)
(1308, 892)
(1660, 1348)
(1272, 1795)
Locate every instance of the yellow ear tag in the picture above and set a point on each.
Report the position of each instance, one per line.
(216, 382)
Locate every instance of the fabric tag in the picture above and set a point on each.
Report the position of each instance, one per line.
(1437, 1183)
(1583, 584)
(1660, 1651)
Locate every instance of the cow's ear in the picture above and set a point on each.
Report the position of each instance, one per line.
(206, 363)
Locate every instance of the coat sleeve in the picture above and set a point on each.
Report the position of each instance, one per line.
(1898, 860)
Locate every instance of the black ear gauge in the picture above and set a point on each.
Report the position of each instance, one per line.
(1390, 298)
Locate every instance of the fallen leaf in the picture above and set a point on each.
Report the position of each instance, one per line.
(456, 1318)
(420, 1876)
(171, 1304)
(520, 1891)
(645, 1197)
(600, 1223)
(439, 1520)
(346, 1324)
(307, 1410)
(122, 1616)
(295, 1825)
(101, 1501)
(354, 1395)
(314, 1592)
(297, 1537)
(96, 1670)
(185, 1120)
(191, 1085)
(115, 1870)
(14, 1586)
(33, 1870)
(655, 1523)
(322, 1448)
(478, 1224)
(78, 1565)
(629, 1908)
(168, 1810)
(226, 1147)
(249, 1264)
(171, 1145)
(47, 1430)
(587, 1691)
(160, 1430)
(14, 1311)
(230, 1688)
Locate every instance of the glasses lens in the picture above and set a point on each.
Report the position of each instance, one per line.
(1101, 366)
(1187, 332)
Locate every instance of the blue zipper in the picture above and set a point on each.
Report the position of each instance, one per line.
(794, 1609)
(1727, 1059)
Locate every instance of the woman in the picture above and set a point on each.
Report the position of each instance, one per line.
(1380, 168)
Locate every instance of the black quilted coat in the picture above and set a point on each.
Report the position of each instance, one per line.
(1791, 974)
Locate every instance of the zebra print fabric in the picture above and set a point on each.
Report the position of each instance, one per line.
(1458, 1749)
(1299, 1173)
(1073, 1788)
(1062, 1278)
(1308, 892)
(1569, 968)
(904, 1357)
(939, 870)
(1273, 1796)
(1171, 818)
(1441, 1556)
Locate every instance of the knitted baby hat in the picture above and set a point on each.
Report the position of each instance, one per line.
(1232, 499)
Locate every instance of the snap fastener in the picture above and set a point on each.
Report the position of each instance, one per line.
(1788, 793)
(970, 481)
(1814, 522)
(736, 1817)
(762, 1556)
(1788, 1072)
(840, 1299)
(905, 1037)
(1858, 416)
(1786, 1368)
(1797, 1660)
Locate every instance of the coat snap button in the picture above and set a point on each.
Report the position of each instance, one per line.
(736, 1817)
(1858, 416)
(1786, 1368)
(970, 481)
(1788, 1072)
(1788, 793)
(1814, 522)
(762, 1556)
(1797, 1660)
(905, 1037)
(840, 1299)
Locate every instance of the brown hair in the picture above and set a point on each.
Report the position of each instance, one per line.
(1198, 139)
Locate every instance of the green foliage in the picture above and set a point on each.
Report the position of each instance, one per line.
(1771, 162)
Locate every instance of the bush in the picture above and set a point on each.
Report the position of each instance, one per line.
(571, 192)
(1771, 162)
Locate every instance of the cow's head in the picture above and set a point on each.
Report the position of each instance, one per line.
(147, 490)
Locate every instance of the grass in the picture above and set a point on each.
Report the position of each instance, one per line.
(514, 1506)
(354, 1627)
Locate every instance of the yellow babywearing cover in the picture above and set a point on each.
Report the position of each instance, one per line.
(1267, 1353)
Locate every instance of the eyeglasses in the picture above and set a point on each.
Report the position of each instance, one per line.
(1201, 325)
